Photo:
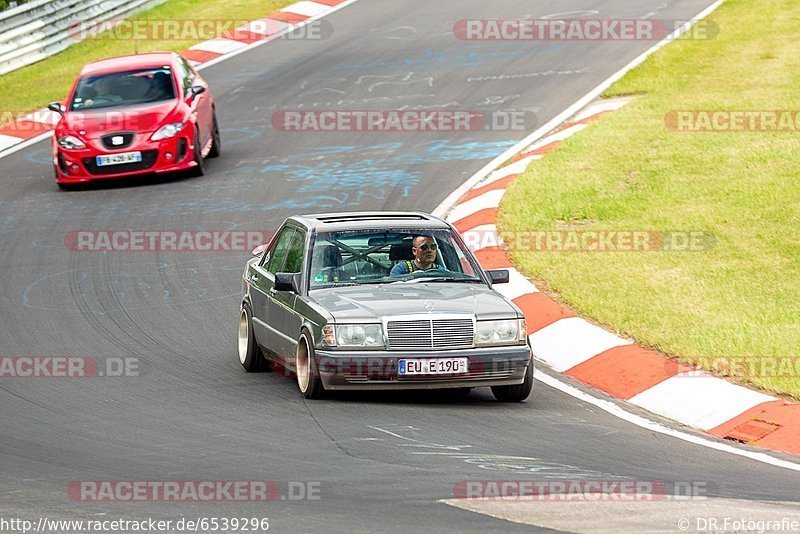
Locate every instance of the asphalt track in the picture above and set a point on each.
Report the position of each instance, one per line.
(382, 461)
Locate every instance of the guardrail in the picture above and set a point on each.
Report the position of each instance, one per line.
(36, 30)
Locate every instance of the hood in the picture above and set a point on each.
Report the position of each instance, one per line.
(371, 302)
(146, 118)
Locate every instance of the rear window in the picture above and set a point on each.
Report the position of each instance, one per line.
(127, 88)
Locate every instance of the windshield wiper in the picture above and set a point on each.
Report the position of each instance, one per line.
(424, 279)
(452, 279)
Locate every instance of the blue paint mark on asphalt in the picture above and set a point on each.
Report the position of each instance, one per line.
(355, 181)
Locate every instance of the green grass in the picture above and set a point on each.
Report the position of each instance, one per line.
(32, 87)
(629, 171)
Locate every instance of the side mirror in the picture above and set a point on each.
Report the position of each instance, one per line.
(260, 249)
(196, 90)
(287, 282)
(56, 107)
(498, 276)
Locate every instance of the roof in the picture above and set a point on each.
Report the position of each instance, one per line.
(358, 220)
(132, 62)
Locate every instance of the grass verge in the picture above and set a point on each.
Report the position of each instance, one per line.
(629, 171)
(32, 87)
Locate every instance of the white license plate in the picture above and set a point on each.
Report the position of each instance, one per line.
(432, 366)
(119, 159)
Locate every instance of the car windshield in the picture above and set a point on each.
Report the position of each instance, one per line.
(120, 89)
(380, 256)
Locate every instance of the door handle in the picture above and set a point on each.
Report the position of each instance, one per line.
(273, 291)
(254, 278)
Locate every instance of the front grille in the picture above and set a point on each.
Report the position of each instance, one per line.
(126, 138)
(149, 158)
(436, 334)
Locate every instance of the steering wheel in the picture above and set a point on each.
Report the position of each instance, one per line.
(100, 100)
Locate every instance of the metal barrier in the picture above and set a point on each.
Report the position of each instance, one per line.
(36, 30)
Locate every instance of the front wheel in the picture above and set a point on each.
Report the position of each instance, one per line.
(305, 362)
(250, 355)
(199, 169)
(517, 393)
(216, 140)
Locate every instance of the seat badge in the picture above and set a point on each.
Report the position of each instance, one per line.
(117, 140)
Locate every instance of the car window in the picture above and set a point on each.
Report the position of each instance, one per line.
(368, 256)
(294, 258)
(126, 88)
(184, 74)
(274, 259)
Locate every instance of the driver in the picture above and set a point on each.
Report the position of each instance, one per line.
(102, 89)
(424, 251)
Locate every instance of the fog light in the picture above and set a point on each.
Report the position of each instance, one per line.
(75, 167)
(168, 155)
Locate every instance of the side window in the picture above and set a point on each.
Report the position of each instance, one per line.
(464, 265)
(294, 259)
(184, 75)
(277, 254)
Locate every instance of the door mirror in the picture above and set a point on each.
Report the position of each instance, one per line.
(196, 90)
(260, 249)
(287, 282)
(56, 107)
(498, 276)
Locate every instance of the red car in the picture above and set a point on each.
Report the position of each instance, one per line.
(131, 115)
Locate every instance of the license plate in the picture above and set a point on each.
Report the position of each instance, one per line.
(432, 366)
(119, 159)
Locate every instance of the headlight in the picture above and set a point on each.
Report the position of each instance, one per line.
(505, 332)
(70, 142)
(167, 131)
(353, 335)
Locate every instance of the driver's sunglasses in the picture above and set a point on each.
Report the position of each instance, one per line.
(425, 247)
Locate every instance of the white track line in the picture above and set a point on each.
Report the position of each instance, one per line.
(643, 422)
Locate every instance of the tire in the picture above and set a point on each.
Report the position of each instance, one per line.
(199, 169)
(216, 140)
(250, 355)
(517, 393)
(308, 380)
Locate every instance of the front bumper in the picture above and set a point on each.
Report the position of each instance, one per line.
(362, 370)
(168, 155)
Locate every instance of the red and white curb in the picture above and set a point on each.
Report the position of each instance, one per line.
(36, 125)
(603, 360)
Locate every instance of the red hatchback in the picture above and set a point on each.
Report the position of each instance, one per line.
(130, 115)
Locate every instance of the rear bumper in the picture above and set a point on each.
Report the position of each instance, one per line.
(495, 366)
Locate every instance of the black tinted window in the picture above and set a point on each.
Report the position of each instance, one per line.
(123, 89)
